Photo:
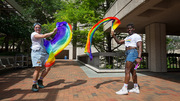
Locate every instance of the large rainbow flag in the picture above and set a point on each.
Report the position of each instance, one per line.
(59, 42)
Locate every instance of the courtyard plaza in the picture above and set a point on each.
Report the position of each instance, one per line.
(69, 80)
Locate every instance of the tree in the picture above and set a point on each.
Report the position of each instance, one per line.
(17, 28)
(16, 31)
(173, 43)
(40, 10)
(82, 14)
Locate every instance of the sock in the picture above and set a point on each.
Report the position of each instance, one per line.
(40, 78)
(135, 85)
(34, 82)
(125, 86)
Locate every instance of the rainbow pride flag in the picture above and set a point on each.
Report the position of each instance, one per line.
(59, 42)
(115, 23)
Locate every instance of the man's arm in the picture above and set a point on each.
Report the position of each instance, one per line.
(139, 45)
(45, 35)
(119, 42)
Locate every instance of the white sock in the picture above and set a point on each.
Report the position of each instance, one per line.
(135, 85)
(34, 82)
(125, 86)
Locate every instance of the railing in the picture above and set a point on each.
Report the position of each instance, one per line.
(117, 61)
(144, 61)
(173, 61)
(22, 60)
(109, 60)
(18, 61)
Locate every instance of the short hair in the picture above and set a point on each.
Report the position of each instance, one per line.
(36, 24)
(130, 25)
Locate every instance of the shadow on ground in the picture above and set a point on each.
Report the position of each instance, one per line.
(51, 92)
(171, 76)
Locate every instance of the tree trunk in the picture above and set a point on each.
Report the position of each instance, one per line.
(13, 44)
(109, 59)
(6, 43)
(75, 39)
(19, 45)
(108, 37)
(2, 45)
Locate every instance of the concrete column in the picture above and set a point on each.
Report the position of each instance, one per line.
(70, 54)
(156, 47)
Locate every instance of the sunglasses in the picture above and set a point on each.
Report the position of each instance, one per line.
(36, 24)
(37, 27)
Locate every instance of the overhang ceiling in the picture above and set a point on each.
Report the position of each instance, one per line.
(10, 6)
(151, 11)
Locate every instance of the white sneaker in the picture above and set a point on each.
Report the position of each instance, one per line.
(123, 91)
(135, 90)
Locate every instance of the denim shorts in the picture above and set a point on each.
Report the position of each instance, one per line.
(131, 55)
(39, 57)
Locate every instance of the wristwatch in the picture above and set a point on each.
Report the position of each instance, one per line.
(139, 57)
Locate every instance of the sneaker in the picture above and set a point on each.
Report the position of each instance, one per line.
(40, 84)
(123, 91)
(34, 88)
(135, 90)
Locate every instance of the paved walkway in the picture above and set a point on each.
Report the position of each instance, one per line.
(71, 81)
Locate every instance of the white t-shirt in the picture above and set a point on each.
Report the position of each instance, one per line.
(36, 43)
(132, 40)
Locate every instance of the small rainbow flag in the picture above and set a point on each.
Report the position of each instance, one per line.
(115, 23)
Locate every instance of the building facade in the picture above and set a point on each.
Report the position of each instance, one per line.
(155, 18)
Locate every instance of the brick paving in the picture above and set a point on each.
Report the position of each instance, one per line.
(67, 81)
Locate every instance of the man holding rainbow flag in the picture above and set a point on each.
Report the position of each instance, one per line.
(132, 43)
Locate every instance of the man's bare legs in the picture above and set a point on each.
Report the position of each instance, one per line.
(129, 66)
(124, 90)
(134, 77)
(45, 72)
(35, 77)
(36, 74)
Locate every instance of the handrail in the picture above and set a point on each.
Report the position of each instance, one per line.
(173, 61)
(111, 60)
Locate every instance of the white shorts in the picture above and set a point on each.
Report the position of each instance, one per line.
(39, 57)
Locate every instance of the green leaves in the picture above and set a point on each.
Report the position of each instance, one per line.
(40, 10)
(81, 14)
(173, 43)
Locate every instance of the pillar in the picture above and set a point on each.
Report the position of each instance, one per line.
(156, 47)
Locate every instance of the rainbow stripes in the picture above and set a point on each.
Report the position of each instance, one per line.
(59, 42)
(115, 23)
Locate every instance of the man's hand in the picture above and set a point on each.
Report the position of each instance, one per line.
(138, 61)
(55, 29)
(112, 31)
